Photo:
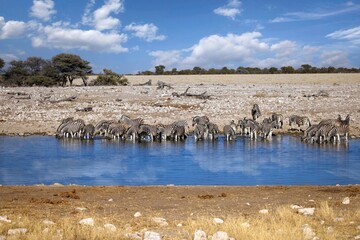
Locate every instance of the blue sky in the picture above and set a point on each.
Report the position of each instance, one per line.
(128, 36)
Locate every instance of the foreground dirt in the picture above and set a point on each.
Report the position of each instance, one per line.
(177, 204)
(39, 110)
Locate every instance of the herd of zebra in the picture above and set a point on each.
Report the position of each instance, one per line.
(330, 130)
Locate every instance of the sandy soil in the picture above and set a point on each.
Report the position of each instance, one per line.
(25, 111)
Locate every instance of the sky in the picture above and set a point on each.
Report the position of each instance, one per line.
(130, 36)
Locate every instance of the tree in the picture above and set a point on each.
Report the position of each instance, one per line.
(273, 70)
(16, 74)
(287, 69)
(305, 68)
(159, 70)
(71, 66)
(34, 65)
(2, 63)
(197, 70)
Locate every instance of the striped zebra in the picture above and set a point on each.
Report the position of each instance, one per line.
(341, 128)
(255, 112)
(116, 130)
(266, 129)
(200, 132)
(212, 130)
(178, 132)
(241, 125)
(127, 121)
(299, 121)
(164, 131)
(88, 131)
(252, 127)
(102, 127)
(202, 120)
(230, 131)
(278, 118)
(73, 128)
(148, 130)
(309, 133)
(63, 123)
(322, 132)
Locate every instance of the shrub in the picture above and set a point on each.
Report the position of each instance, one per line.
(40, 80)
(109, 78)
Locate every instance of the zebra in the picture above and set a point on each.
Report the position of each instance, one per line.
(299, 121)
(200, 132)
(178, 133)
(252, 127)
(241, 124)
(321, 134)
(116, 130)
(255, 112)
(101, 128)
(73, 128)
(267, 127)
(148, 130)
(164, 131)
(203, 120)
(87, 131)
(127, 121)
(230, 131)
(309, 133)
(63, 123)
(278, 118)
(341, 128)
(212, 130)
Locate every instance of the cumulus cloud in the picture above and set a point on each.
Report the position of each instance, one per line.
(62, 37)
(11, 29)
(334, 58)
(101, 18)
(230, 10)
(284, 48)
(43, 9)
(148, 32)
(352, 35)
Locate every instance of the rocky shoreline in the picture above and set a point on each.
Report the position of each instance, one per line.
(39, 110)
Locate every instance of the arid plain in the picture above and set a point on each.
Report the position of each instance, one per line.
(259, 212)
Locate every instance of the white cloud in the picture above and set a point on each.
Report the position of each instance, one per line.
(284, 48)
(230, 10)
(334, 58)
(171, 58)
(8, 57)
(148, 32)
(101, 16)
(320, 14)
(352, 35)
(42, 9)
(11, 29)
(62, 37)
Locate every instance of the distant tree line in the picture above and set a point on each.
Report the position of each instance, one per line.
(305, 68)
(62, 69)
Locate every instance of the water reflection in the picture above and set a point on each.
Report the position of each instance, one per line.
(39, 159)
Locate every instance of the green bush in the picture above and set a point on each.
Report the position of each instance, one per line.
(40, 80)
(110, 78)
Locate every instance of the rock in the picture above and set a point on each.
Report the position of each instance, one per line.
(295, 206)
(2, 237)
(339, 219)
(220, 236)
(48, 222)
(46, 230)
(110, 227)
(161, 221)
(16, 231)
(356, 237)
(329, 230)
(58, 185)
(346, 200)
(308, 233)
(245, 225)
(137, 214)
(306, 211)
(136, 236)
(179, 225)
(87, 221)
(200, 235)
(110, 200)
(80, 209)
(4, 219)
(218, 221)
(149, 235)
(264, 211)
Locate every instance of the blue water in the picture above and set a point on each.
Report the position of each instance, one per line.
(282, 161)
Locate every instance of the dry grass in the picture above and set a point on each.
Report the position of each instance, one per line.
(281, 223)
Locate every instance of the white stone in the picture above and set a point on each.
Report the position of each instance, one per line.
(346, 200)
(200, 235)
(245, 225)
(135, 236)
(80, 209)
(16, 231)
(110, 200)
(308, 233)
(5, 219)
(220, 236)
(179, 225)
(2, 237)
(357, 237)
(306, 211)
(329, 229)
(137, 214)
(264, 211)
(161, 221)
(48, 222)
(149, 235)
(110, 227)
(295, 206)
(339, 219)
(218, 221)
(87, 221)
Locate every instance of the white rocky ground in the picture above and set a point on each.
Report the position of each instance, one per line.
(32, 110)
